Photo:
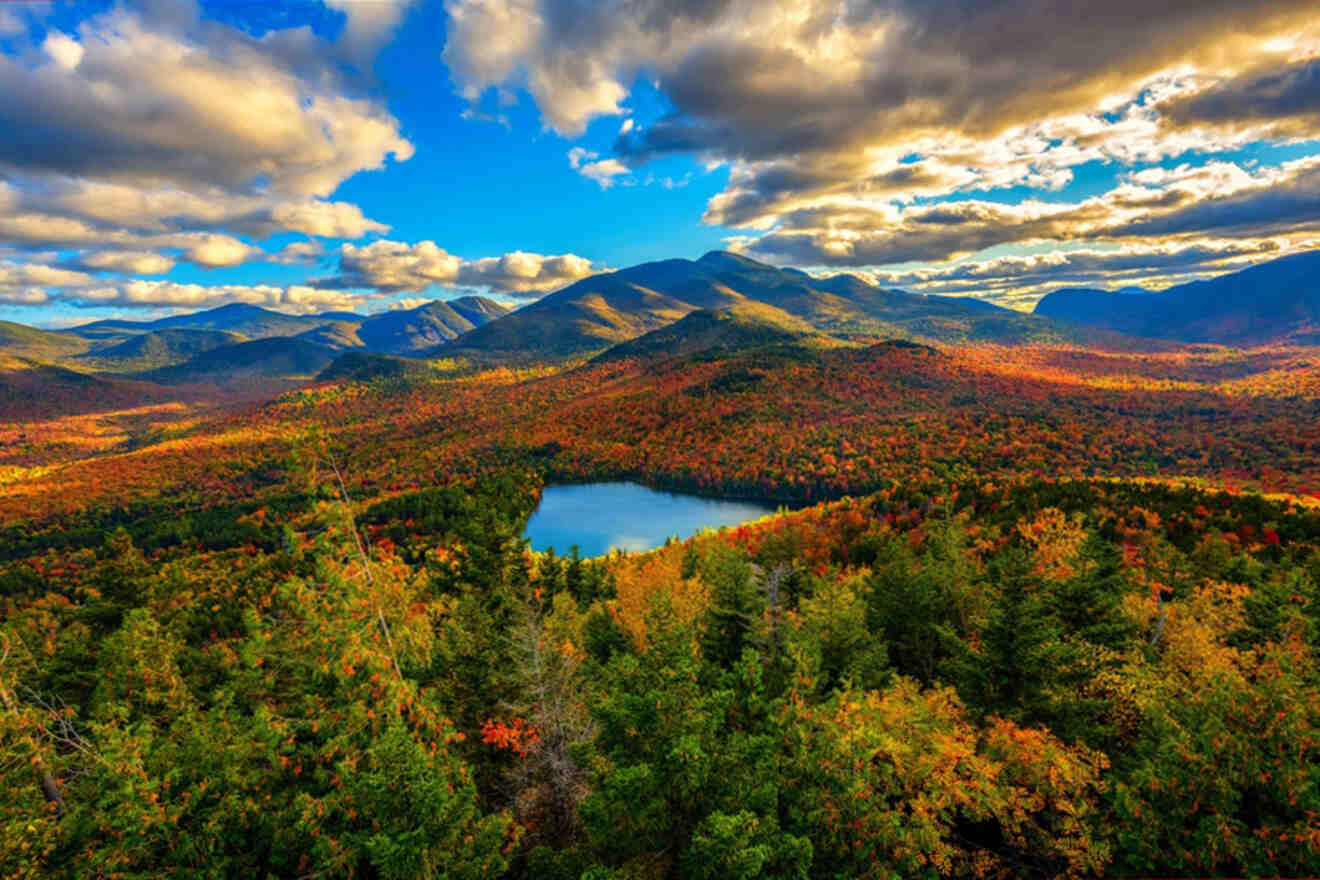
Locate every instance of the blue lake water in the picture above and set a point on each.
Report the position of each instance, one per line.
(599, 517)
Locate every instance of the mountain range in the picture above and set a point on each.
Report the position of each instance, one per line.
(603, 310)
(242, 341)
(1278, 301)
(674, 308)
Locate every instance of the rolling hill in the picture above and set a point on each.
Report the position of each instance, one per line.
(363, 366)
(604, 310)
(159, 348)
(32, 391)
(713, 333)
(251, 321)
(1278, 301)
(273, 358)
(22, 341)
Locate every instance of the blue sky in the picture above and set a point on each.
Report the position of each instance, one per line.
(363, 154)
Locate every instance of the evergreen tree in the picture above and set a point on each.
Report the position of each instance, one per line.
(734, 621)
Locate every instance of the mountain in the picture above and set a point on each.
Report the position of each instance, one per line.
(22, 341)
(31, 390)
(1278, 301)
(411, 331)
(160, 348)
(272, 358)
(363, 366)
(336, 334)
(604, 310)
(251, 321)
(713, 333)
(478, 309)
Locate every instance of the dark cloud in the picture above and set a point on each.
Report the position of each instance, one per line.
(1286, 96)
(1216, 201)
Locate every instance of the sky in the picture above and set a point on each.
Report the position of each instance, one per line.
(370, 154)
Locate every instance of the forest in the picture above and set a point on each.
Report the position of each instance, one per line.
(1037, 612)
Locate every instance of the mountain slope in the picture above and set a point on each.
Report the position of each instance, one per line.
(710, 333)
(335, 334)
(160, 348)
(1271, 302)
(478, 309)
(22, 341)
(409, 331)
(588, 315)
(364, 366)
(272, 358)
(32, 391)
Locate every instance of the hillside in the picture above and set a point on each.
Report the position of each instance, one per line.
(604, 310)
(159, 348)
(710, 333)
(409, 331)
(1019, 608)
(335, 334)
(20, 340)
(251, 321)
(478, 309)
(363, 366)
(32, 391)
(273, 358)
(1277, 301)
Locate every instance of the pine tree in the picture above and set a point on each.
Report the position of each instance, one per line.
(734, 621)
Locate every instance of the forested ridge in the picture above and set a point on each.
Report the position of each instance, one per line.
(1037, 617)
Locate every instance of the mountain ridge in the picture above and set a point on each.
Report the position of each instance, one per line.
(602, 311)
(1275, 301)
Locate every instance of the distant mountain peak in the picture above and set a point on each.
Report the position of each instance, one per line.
(730, 260)
(1266, 303)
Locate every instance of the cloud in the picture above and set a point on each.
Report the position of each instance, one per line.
(67, 212)
(63, 50)
(143, 294)
(224, 139)
(398, 266)
(751, 80)
(127, 262)
(868, 133)
(1018, 281)
(368, 24)
(1285, 99)
(212, 251)
(299, 253)
(408, 302)
(1157, 206)
(520, 273)
(604, 172)
(214, 106)
(26, 283)
(38, 284)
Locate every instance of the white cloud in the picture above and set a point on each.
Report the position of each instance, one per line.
(839, 121)
(399, 266)
(214, 250)
(368, 24)
(63, 50)
(219, 140)
(145, 294)
(128, 262)
(603, 172)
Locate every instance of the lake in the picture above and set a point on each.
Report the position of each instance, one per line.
(599, 517)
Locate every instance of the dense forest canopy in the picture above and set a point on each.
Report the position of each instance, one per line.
(1020, 628)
